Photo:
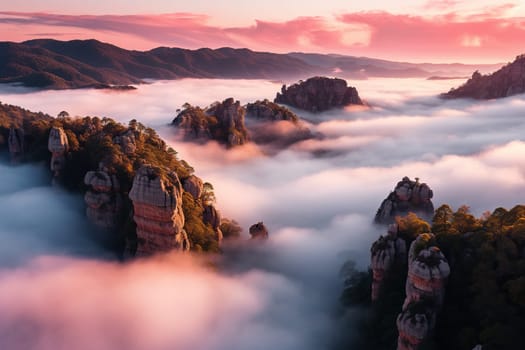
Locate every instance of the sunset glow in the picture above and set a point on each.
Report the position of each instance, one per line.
(443, 31)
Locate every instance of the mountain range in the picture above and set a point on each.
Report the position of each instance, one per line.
(53, 64)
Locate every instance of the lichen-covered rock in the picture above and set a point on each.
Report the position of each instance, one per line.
(508, 81)
(58, 145)
(319, 94)
(194, 186)
(157, 203)
(259, 231)
(408, 196)
(212, 217)
(15, 142)
(102, 199)
(386, 251)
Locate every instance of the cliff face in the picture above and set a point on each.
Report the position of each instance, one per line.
(15, 143)
(212, 217)
(319, 94)
(194, 186)
(58, 146)
(259, 231)
(508, 81)
(157, 203)
(386, 251)
(103, 200)
(428, 271)
(408, 196)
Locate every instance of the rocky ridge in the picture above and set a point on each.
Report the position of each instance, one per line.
(222, 121)
(507, 81)
(408, 196)
(231, 124)
(318, 94)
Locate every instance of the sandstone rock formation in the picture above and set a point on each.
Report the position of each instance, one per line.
(212, 217)
(508, 81)
(15, 143)
(157, 203)
(103, 200)
(385, 252)
(408, 196)
(58, 145)
(194, 186)
(428, 271)
(414, 324)
(319, 94)
(259, 231)
(222, 121)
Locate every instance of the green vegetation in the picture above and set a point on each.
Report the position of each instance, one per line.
(92, 141)
(485, 295)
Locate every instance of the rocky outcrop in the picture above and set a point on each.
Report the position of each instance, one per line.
(508, 81)
(58, 146)
(428, 271)
(102, 199)
(15, 143)
(127, 142)
(259, 231)
(269, 111)
(212, 217)
(408, 196)
(222, 122)
(270, 123)
(385, 252)
(194, 186)
(157, 204)
(319, 94)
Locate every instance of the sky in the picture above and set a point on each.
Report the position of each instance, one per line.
(485, 31)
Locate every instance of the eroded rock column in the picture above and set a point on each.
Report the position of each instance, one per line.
(58, 146)
(385, 252)
(428, 271)
(157, 204)
(102, 199)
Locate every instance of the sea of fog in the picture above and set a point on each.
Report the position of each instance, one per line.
(60, 290)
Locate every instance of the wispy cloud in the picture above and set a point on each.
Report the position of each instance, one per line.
(449, 36)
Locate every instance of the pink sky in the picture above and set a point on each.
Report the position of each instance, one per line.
(438, 31)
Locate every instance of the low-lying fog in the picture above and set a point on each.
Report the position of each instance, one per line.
(318, 199)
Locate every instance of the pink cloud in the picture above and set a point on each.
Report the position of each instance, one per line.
(483, 36)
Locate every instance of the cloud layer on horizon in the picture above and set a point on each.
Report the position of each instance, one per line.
(486, 36)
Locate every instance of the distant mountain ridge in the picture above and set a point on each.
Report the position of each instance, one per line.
(53, 64)
(507, 81)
